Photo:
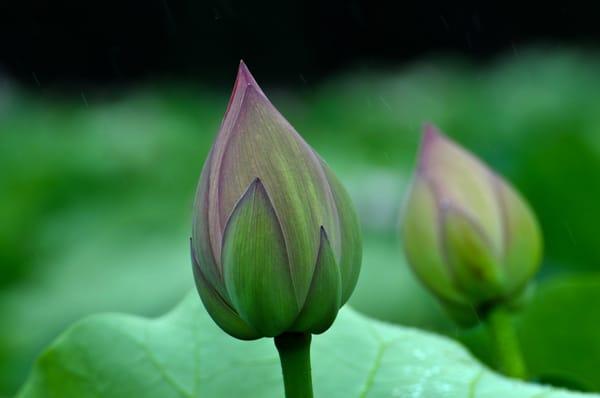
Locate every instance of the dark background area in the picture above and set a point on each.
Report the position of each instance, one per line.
(62, 43)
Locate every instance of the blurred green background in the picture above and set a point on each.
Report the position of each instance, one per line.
(96, 193)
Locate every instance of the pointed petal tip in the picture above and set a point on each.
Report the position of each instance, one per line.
(323, 234)
(254, 186)
(246, 93)
(258, 184)
(431, 133)
(430, 136)
(252, 97)
(244, 77)
(324, 242)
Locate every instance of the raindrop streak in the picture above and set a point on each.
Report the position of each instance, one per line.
(514, 48)
(570, 232)
(35, 78)
(385, 103)
(84, 100)
(445, 22)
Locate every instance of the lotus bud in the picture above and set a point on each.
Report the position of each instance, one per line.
(275, 242)
(467, 234)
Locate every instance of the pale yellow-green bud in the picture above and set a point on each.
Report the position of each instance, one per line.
(467, 234)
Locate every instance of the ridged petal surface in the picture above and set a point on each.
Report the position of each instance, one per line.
(325, 294)
(255, 264)
(422, 241)
(255, 141)
(201, 240)
(349, 254)
(467, 233)
(262, 204)
(523, 242)
(462, 179)
(219, 309)
(474, 263)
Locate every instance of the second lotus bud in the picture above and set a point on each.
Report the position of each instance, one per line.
(468, 235)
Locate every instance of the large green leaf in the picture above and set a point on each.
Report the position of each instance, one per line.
(184, 354)
(565, 309)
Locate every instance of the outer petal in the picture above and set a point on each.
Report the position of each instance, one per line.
(422, 242)
(259, 142)
(474, 262)
(350, 245)
(255, 264)
(219, 310)
(523, 239)
(463, 180)
(201, 240)
(213, 221)
(325, 295)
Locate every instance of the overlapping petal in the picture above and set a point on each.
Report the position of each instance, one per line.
(325, 294)
(259, 142)
(264, 202)
(255, 264)
(219, 309)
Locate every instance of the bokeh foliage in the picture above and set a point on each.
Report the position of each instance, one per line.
(96, 194)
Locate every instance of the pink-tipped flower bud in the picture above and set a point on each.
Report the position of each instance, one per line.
(468, 235)
(275, 245)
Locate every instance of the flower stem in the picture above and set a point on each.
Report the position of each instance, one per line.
(294, 354)
(505, 344)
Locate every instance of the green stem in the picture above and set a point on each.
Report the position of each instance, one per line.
(505, 344)
(294, 354)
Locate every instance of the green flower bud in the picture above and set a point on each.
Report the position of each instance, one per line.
(275, 244)
(467, 234)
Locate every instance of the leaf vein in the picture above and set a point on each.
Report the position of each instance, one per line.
(162, 372)
(376, 365)
(473, 384)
